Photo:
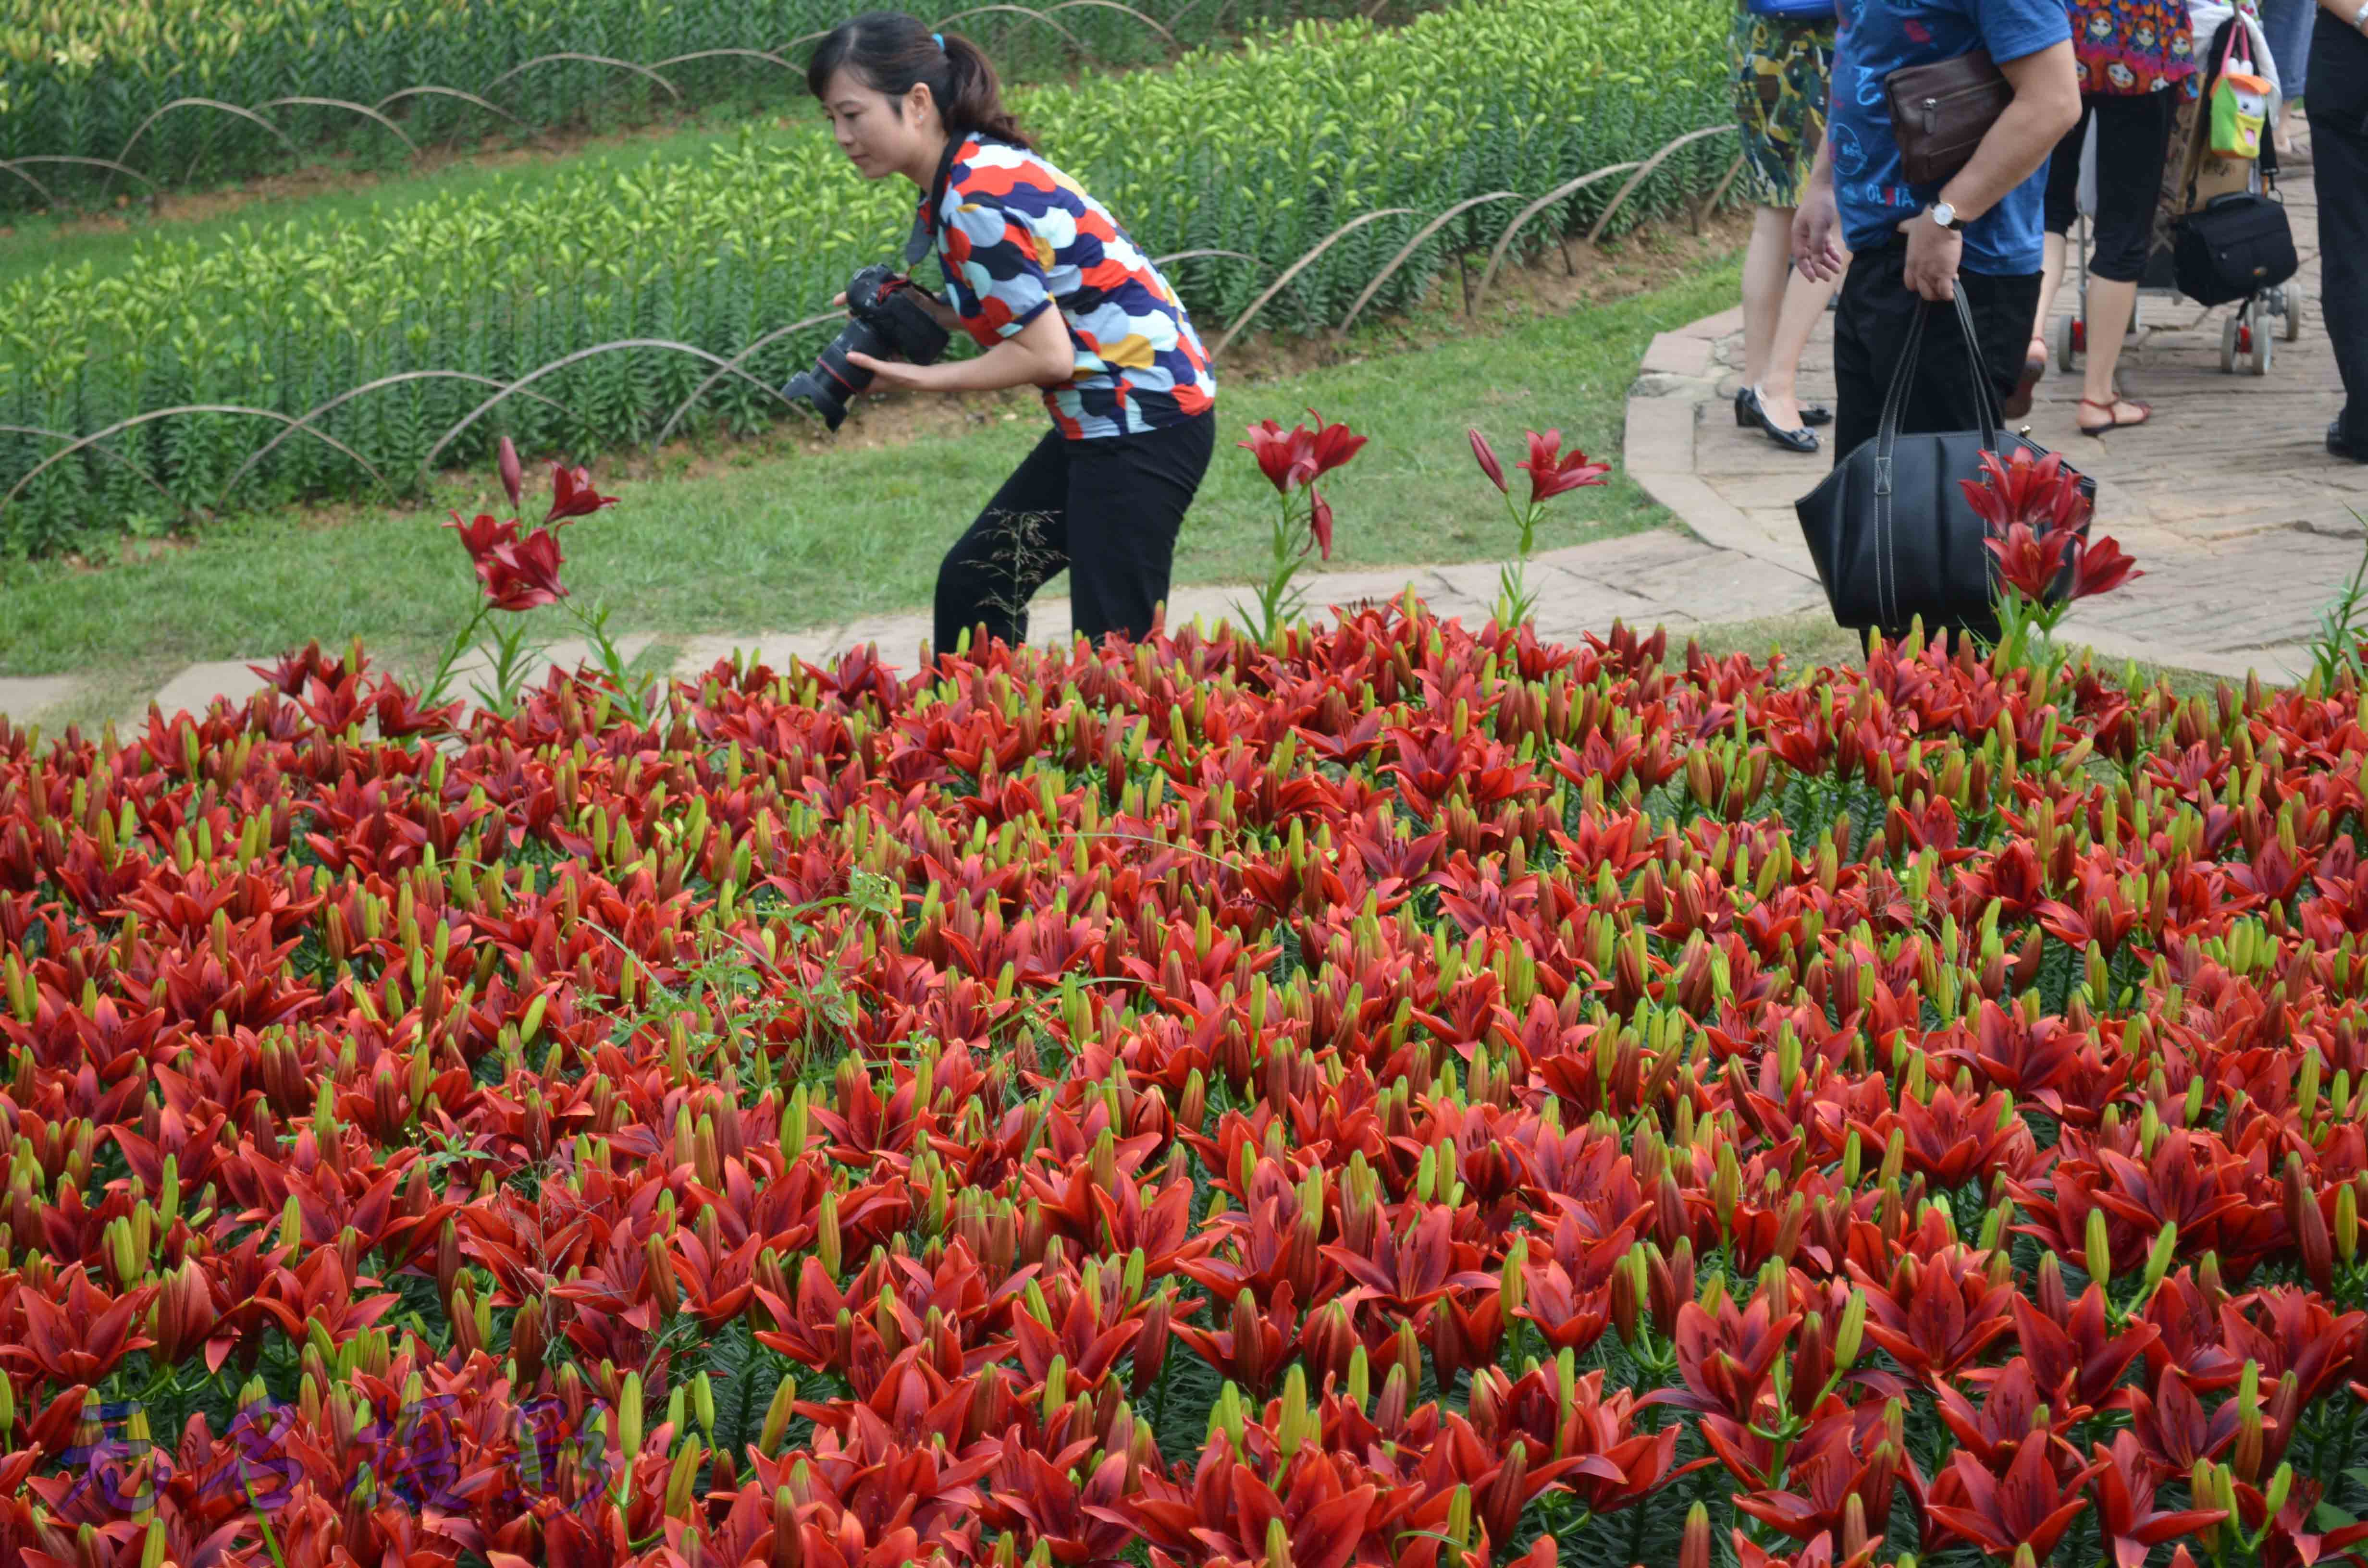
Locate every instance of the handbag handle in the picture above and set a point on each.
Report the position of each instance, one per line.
(2236, 29)
(1895, 402)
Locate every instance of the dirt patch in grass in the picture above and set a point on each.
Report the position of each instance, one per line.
(502, 147)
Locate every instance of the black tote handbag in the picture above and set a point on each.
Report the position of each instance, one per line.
(1890, 530)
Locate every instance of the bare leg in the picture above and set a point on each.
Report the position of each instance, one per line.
(2051, 278)
(2109, 316)
(1805, 301)
(1766, 263)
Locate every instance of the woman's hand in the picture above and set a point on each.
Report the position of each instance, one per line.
(898, 373)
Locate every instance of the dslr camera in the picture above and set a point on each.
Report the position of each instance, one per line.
(889, 322)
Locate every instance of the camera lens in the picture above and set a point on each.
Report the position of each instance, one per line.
(833, 381)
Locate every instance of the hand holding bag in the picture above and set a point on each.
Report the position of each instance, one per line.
(1890, 529)
(1940, 112)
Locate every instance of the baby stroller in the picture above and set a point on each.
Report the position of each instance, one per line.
(2192, 176)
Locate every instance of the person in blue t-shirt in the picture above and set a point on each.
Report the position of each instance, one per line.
(1979, 230)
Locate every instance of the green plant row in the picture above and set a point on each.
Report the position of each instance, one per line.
(88, 78)
(1262, 152)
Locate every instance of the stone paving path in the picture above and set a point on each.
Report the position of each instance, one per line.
(1660, 577)
(2242, 521)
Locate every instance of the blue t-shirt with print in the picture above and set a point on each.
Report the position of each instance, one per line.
(1875, 38)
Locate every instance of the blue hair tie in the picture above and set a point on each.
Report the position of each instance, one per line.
(942, 41)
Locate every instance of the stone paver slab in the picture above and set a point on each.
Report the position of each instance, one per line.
(196, 687)
(772, 649)
(1671, 354)
(24, 698)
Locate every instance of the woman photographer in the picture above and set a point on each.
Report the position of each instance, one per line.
(1049, 285)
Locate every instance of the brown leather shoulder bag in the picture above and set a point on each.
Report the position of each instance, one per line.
(1940, 112)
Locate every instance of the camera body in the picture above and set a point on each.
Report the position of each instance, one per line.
(889, 322)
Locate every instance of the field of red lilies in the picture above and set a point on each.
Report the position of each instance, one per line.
(1388, 1094)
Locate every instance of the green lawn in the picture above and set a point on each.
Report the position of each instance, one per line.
(779, 542)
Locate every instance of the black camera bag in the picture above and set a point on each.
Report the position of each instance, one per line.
(2232, 246)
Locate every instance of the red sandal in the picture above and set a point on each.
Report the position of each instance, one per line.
(2145, 411)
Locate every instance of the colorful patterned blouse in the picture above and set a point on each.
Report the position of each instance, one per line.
(1014, 235)
(2131, 47)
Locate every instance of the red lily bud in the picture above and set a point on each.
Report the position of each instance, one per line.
(1151, 1345)
(1693, 1548)
(1624, 1304)
(1499, 1505)
(2311, 1236)
(513, 475)
(1488, 460)
(1249, 1344)
(447, 1260)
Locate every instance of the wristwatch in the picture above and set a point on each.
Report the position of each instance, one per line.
(2360, 19)
(1946, 216)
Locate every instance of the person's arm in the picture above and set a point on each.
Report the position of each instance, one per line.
(1040, 354)
(2351, 11)
(996, 249)
(2047, 105)
(1815, 250)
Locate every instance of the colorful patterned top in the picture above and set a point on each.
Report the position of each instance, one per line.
(1014, 235)
(2131, 47)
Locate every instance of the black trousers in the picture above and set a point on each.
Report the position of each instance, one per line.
(1871, 317)
(2132, 143)
(1107, 511)
(1870, 320)
(2339, 143)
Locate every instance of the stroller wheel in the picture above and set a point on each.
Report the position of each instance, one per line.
(2067, 342)
(2258, 349)
(2290, 319)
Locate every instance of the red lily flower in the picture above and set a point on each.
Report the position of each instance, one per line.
(1415, 1270)
(1552, 471)
(2172, 1428)
(1300, 456)
(2103, 567)
(1818, 1553)
(572, 495)
(2078, 1356)
(1331, 446)
(1841, 1457)
(81, 1339)
(2041, 495)
(2028, 1504)
(524, 576)
(1319, 521)
(2028, 562)
(2126, 1485)
(1287, 458)
(482, 533)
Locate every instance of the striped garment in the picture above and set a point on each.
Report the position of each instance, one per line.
(1015, 234)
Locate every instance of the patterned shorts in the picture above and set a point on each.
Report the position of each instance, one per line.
(1779, 73)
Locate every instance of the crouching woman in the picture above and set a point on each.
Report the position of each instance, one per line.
(1043, 279)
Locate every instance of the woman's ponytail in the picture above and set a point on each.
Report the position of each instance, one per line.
(891, 50)
(973, 99)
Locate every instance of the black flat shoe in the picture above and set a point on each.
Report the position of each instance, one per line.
(1748, 413)
(1815, 413)
(2337, 446)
